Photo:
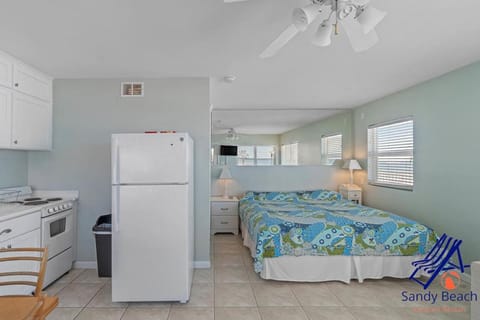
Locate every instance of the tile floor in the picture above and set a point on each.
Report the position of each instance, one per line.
(230, 290)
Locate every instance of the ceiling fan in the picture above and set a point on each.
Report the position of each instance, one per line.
(357, 18)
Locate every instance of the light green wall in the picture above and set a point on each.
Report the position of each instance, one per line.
(247, 139)
(87, 112)
(446, 112)
(13, 168)
(308, 137)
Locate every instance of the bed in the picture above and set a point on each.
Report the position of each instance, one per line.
(318, 236)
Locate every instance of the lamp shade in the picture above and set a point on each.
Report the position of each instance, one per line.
(370, 17)
(302, 17)
(323, 37)
(352, 164)
(226, 174)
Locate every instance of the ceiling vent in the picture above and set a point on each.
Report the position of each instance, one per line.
(132, 89)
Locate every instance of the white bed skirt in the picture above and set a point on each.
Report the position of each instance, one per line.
(332, 268)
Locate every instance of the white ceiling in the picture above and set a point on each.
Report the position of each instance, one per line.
(266, 121)
(143, 39)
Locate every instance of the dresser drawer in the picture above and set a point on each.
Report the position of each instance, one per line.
(225, 222)
(224, 208)
(18, 226)
(355, 195)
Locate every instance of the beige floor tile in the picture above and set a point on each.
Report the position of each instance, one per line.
(356, 294)
(227, 238)
(227, 260)
(270, 295)
(200, 296)
(234, 295)
(237, 314)
(149, 305)
(90, 276)
(433, 312)
(228, 248)
(71, 275)
(78, 294)
(100, 314)
(145, 314)
(103, 299)
(191, 314)
(64, 314)
(375, 313)
(315, 294)
(328, 313)
(203, 275)
(282, 313)
(55, 288)
(235, 274)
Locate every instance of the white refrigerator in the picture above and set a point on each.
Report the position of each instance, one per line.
(152, 217)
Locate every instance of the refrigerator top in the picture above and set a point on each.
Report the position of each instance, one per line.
(153, 133)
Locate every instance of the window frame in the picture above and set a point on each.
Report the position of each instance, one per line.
(374, 182)
(255, 156)
(282, 153)
(324, 159)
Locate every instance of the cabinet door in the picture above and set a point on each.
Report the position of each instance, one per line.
(6, 70)
(30, 81)
(5, 117)
(31, 123)
(27, 240)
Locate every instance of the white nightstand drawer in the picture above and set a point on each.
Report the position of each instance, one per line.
(354, 195)
(225, 222)
(224, 208)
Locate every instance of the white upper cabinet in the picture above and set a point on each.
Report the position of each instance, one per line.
(6, 71)
(30, 81)
(5, 117)
(32, 123)
(25, 106)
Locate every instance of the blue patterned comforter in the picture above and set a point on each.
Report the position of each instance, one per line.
(320, 223)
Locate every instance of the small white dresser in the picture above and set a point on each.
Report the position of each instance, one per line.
(224, 215)
(351, 192)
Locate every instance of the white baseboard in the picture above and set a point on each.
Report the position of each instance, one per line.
(201, 264)
(93, 264)
(85, 264)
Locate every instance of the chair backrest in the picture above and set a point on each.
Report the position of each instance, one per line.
(19, 266)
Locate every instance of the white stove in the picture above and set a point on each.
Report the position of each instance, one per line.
(57, 225)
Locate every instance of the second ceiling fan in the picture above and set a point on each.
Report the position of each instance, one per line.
(357, 18)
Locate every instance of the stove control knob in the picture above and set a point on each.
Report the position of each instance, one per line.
(55, 209)
(50, 210)
(63, 206)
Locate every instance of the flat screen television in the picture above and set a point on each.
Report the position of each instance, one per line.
(228, 150)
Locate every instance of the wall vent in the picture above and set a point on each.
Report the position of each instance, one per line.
(132, 89)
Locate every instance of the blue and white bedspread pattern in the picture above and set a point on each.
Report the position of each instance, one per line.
(320, 223)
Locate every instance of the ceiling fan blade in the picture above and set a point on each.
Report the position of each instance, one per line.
(280, 42)
(359, 40)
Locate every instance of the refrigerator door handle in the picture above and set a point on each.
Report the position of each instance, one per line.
(116, 165)
(116, 209)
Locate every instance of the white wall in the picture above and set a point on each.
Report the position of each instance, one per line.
(13, 168)
(87, 112)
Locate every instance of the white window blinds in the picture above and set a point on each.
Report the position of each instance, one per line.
(331, 148)
(289, 154)
(390, 154)
(256, 155)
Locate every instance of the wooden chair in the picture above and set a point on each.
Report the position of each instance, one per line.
(35, 306)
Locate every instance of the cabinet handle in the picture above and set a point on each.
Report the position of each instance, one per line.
(16, 85)
(223, 222)
(224, 209)
(6, 231)
(15, 142)
(9, 246)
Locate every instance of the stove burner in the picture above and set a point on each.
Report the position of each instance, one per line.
(53, 199)
(32, 199)
(35, 202)
(15, 202)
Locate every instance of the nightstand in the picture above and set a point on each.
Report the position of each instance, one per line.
(224, 215)
(351, 192)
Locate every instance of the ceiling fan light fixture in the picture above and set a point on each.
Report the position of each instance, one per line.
(302, 17)
(369, 18)
(323, 36)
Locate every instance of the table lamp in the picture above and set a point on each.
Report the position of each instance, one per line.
(352, 164)
(226, 176)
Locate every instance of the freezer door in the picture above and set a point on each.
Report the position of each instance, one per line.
(150, 158)
(150, 243)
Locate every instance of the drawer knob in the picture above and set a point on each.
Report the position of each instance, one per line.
(16, 85)
(224, 209)
(9, 246)
(15, 142)
(5, 231)
(224, 222)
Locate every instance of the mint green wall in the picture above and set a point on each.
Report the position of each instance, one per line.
(248, 139)
(446, 111)
(13, 168)
(308, 137)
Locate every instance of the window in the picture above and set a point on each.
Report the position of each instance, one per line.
(289, 154)
(256, 155)
(390, 154)
(331, 148)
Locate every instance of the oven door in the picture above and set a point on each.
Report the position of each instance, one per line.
(57, 232)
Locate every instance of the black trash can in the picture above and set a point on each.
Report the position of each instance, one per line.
(103, 239)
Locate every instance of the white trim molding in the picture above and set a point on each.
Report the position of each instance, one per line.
(201, 264)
